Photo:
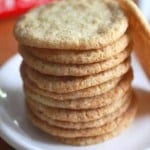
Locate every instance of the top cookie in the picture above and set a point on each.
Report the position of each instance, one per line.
(69, 24)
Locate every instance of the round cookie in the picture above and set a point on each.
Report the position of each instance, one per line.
(81, 94)
(79, 57)
(84, 93)
(87, 103)
(98, 139)
(70, 84)
(83, 133)
(51, 26)
(82, 125)
(83, 103)
(72, 133)
(73, 70)
(77, 115)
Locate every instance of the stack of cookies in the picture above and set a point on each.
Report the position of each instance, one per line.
(76, 69)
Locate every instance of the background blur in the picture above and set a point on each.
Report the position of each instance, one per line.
(9, 12)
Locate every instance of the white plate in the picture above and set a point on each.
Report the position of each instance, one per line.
(18, 132)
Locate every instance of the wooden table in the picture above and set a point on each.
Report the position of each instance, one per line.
(8, 44)
(8, 47)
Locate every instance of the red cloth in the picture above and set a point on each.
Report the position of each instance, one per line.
(11, 8)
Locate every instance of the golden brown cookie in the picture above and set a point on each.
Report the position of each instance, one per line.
(73, 70)
(70, 84)
(74, 133)
(77, 115)
(98, 139)
(82, 125)
(64, 25)
(79, 57)
(103, 132)
(84, 94)
(87, 103)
